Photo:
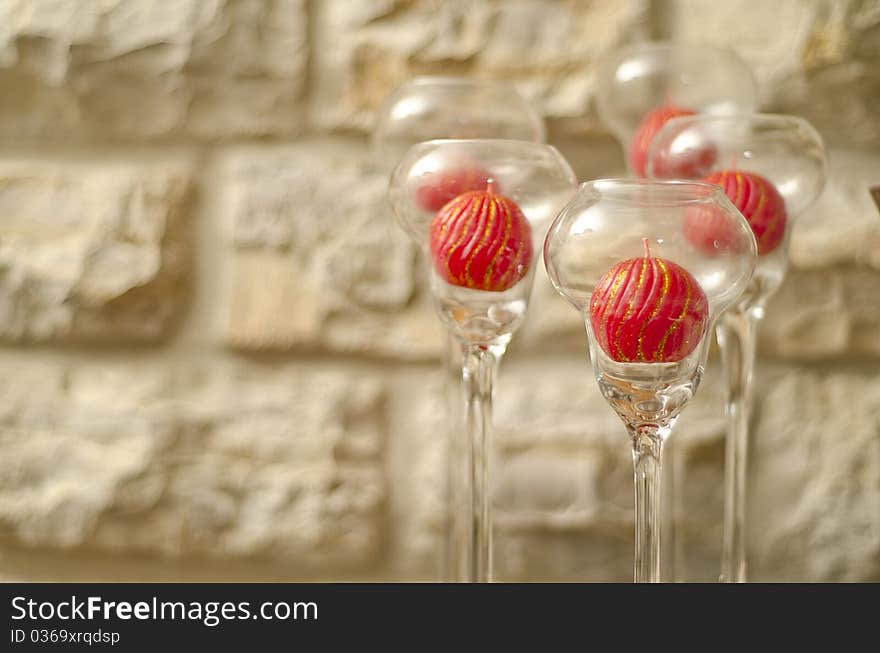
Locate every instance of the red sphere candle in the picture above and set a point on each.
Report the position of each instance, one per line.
(439, 188)
(756, 198)
(481, 240)
(651, 124)
(648, 310)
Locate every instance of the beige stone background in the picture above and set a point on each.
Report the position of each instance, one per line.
(218, 359)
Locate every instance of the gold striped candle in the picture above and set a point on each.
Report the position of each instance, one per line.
(648, 310)
(481, 240)
(757, 199)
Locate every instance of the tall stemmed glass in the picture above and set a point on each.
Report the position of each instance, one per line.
(642, 86)
(626, 255)
(480, 247)
(427, 108)
(639, 88)
(772, 167)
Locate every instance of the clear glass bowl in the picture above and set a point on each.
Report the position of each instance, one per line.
(635, 80)
(785, 150)
(427, 108)
(535, 176)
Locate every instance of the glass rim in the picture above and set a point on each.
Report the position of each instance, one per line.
(668, 45)
(750, 118)
(434, 142)
(451, 80)
(620, 187)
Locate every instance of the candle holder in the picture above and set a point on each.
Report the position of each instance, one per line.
(642, 86)
(427, 108)
(480, 245)
(772, 167)
(420, 110)
(621, 254)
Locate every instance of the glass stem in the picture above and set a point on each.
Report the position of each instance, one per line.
(457, 542)
(478, 376)
(736, 333)
(647, 451)
(674, 561)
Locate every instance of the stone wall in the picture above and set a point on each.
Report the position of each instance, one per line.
(218, 357)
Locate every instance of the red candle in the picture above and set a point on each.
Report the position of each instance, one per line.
(481, 240)
(694, 164)
(648, 310)
(755, 197)
(438, 188)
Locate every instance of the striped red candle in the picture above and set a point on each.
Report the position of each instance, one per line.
(693, 164)
(481, 240)
(756, 198)
(438, 188)
(648, 310)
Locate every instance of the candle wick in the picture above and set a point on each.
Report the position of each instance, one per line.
(647, 248)
(490, 186)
